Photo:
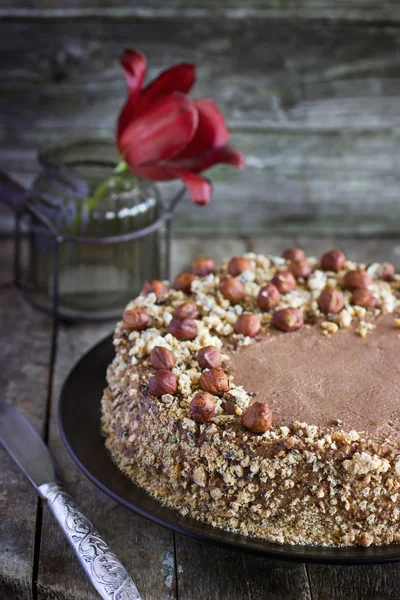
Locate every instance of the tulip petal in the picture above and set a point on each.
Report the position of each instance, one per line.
(134, 65)
(154, 172)
(163, 171)
(211, 132)
(179, 78)
(126, 115)
(199, 188)
(164, 129)
(196, 164)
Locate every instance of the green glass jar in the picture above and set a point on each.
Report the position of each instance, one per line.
(108, 227)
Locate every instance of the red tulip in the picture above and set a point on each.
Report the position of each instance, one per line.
(164, 134)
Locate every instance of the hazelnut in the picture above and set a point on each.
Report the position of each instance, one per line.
(183, 329)
(387, 271)
(187, 310)
(248, 324)
(358, 279)
(203, 266)
(232, 289)
(202, 407)
(257, 418)
(209, 357)
(162, 358)
(238, 264)
(156, 287)
(268, 296)
(183, 282)
(293, 254)
(284, 281)
(214, 381)
(330, 301)
(333, 260)
(288, 319)
(365, 298)
(163, 382)
(136, 319)
(300, 268)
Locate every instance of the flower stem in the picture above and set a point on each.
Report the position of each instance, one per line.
(121, 167)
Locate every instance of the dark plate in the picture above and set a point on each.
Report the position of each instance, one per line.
(79, 421)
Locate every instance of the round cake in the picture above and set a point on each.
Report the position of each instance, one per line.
(263, 397)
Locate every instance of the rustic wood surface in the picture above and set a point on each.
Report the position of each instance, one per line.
(385, 10)
(25, 372)
(312, 102)
(35, 560)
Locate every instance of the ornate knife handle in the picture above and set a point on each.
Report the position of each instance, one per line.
(103, 568)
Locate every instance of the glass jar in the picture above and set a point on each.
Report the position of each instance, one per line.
(110, 227)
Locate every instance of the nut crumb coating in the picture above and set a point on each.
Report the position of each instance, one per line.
(297, 484)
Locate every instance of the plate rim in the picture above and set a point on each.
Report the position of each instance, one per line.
(331, 553)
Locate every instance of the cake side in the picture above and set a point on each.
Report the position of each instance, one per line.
(295, 482)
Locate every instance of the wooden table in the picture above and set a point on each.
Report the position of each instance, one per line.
(36, 561)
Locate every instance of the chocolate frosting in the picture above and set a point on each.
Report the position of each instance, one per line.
(304, 376)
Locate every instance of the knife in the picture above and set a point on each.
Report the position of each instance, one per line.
(105, 571)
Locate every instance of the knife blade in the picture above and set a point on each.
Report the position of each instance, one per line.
(26, 447)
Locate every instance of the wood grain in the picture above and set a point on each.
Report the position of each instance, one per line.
(25, 368)
(209, 573)
(363, 582)
(281, 75)
(233, 9)
(314, 108)
(298, 182)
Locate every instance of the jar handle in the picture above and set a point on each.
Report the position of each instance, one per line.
(12, 193)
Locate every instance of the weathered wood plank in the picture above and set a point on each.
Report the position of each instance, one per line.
(283, 74)
(306, 156)
(146, 549)
(314, 107)
(209, 573)
(233, 9)
(25, 352)
(6, 262)
(294, 181)
(372, 582)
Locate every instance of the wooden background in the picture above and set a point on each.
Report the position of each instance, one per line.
(310, 89)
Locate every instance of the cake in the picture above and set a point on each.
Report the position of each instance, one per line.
(263, 397)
